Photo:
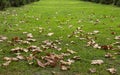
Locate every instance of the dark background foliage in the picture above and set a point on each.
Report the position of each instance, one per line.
(15, 3)
(115, 2)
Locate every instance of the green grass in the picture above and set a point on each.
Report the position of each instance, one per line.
(54, 13)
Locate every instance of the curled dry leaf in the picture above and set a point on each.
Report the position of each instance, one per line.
(112, 70)
(97, 62)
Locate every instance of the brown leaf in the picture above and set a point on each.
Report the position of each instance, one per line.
(7, 58)
(107, 47)
(50, 34)
(69, 62)
(64, 68)
(6, 63)
(29, 35)
(31, 40)
(20, 57)
(108, 55)
(97, 62)
(15, 39)
(40, 63)
(76, 58)
(3, 38)
(117, 37)
(112, 70)
(71, 51)
(92, 70)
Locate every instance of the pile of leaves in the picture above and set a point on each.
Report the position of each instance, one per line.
(39, 55)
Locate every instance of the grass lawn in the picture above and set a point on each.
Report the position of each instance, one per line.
(62, 17)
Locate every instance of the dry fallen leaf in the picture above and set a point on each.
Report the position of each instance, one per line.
(64, 68)
(50, 34)
(30, 40)
(95, 32)
(112, 70)
(17, 49)
(2, 38)
(40, 63)
(6, 63)
(7, 58)
(76, 58)
(20, 57)
(108, 55)
(65, 63)
(107, 47)
(97, 62)
(29, 35)
(117, 37)
(92, 70)
(71, 51)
